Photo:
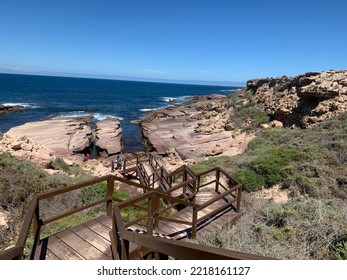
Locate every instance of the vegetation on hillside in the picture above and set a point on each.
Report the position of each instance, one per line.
(19, 181)
(310, 164)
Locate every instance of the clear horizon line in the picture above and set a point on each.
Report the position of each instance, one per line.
(124, 78)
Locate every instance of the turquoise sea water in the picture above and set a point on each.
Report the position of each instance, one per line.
(54, 97)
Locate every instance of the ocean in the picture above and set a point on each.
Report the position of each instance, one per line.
(54, 97)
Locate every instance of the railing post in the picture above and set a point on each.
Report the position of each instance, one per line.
(156, 211)
(194, 221)
(110, 190)
(217, 179)
(151, 213)
(37, 231)
(199, 183)
(194, 190)
(239, 196)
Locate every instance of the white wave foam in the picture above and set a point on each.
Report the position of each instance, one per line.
(168, 99)
(76, 114)
(101, 117)
(153, 109)
(25, 105)
(178, 99)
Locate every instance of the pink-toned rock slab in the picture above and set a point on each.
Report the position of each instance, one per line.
(109, 136)
(177, 128)
(61, 136)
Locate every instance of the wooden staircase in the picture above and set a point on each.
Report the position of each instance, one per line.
(176, 206)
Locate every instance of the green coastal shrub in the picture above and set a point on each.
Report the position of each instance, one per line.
(243, 108)
(278, 215)
(274, 164)
(19, 181)
(266, 167)
(224, 162)
(341, 251)
(250, 179)
(60, 164)
(296, 229)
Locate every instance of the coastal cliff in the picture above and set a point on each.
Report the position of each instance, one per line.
(303, 100)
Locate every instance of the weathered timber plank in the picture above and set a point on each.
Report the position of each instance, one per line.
(99, 228)
(62, 250)
(93, 238)
(175, 231)
(51, 256)
(81, 246)
(105, 220)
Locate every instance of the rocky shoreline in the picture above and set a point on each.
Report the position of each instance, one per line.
(180, 134)
(185, 134)
(10, 109)
(194, 132)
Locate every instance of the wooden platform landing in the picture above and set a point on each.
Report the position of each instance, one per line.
(222, 219)
(89, 241)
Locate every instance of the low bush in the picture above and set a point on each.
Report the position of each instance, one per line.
(250, 179)
(298, 229)
(246, 114)
(341, 251)
(19, 181)
(265, 167)
(224, 162)
(60, 164)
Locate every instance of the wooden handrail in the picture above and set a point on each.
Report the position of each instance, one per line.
(176, 249)
(88, 183)
(153, 216)
(74, 211)
(134, 184)
(218, 197)
(33, 215)
(13, 253)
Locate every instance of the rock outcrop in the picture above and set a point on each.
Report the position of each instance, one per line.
(70, 139)
(60, 136)
(23, 147)
(108, 137)
(195, 131)
(7, 109)
(303, 100)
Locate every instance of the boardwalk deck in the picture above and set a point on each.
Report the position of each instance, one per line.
(198, 209)
(91, 240)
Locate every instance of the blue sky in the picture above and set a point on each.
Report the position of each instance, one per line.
(206, 40)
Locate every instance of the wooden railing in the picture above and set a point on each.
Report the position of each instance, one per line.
(151, 247)
(34, 222)
(155, 215)
(182, 179)
(223, 184)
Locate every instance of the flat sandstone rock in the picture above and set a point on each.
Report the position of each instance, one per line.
(177, 128)
(109, 136)
(61, 136)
